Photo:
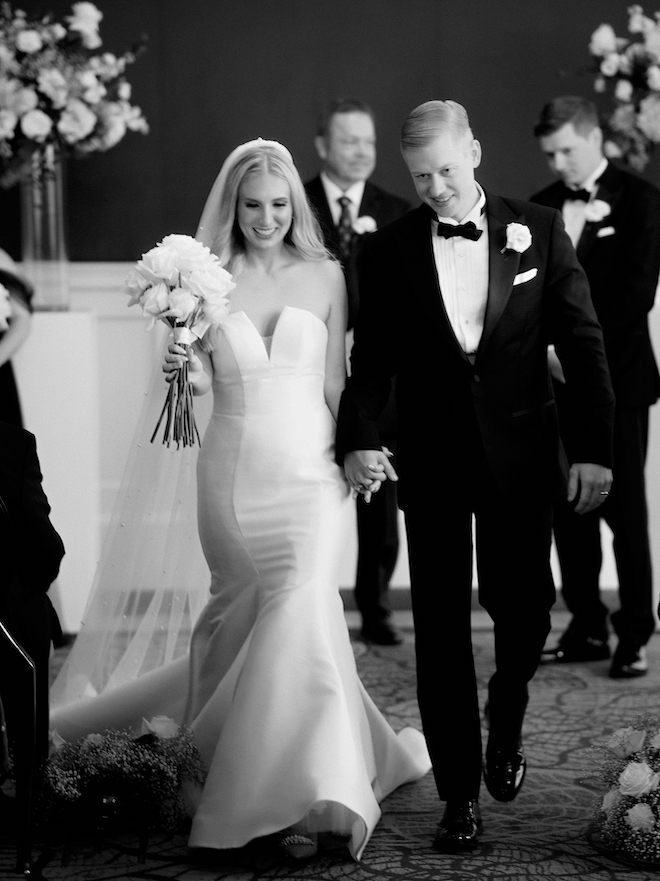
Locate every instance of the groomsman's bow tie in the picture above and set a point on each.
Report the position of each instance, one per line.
(467, 230)
(575, 195)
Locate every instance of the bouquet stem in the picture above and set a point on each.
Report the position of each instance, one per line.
(178, 412)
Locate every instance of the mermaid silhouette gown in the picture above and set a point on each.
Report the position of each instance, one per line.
(270, 687)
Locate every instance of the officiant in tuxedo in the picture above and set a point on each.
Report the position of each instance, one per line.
(458, 301)
(613, 219)
(350, 207)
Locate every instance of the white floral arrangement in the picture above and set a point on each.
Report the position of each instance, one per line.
(631, 69)
(180, 282)
(5, 308)
(364, 224)
(144, 774)
(518, 238)
(627, 819)
(57, 89)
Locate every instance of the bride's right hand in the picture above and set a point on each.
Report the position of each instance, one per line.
(175, 357)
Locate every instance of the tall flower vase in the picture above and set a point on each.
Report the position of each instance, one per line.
(45, 260)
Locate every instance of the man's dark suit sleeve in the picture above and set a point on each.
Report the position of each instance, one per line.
(372, 359)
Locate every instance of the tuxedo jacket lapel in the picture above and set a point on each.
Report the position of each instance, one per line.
(502, 264)
(417, 252)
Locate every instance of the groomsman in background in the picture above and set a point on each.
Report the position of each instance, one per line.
(349, 207)
(613, 219)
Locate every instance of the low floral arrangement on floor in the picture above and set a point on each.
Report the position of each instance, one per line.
(627, 819)
(56, 89)
(144, 774)
(182, 283)
(631, 69)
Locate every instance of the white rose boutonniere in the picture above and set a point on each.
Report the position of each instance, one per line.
(596, 211)
(364, 224)
(518, 238)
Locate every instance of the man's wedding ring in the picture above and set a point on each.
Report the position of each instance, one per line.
(604, 492)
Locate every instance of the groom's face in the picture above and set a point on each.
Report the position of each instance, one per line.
(443, 173)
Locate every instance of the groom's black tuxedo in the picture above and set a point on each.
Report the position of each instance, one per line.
(621, 256)
(31, 551)
(476, 438)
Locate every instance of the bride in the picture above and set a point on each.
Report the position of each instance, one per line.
(291, 740)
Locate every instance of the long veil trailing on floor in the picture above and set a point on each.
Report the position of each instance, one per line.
(152, 580)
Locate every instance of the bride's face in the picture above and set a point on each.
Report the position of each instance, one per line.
(263, 210)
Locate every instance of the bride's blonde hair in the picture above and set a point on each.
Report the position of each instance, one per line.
(304, 234)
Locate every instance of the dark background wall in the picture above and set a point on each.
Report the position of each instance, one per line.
(219, 72)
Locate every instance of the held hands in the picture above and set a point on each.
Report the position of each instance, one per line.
(590, 484)
(175, 357)
(367, 470)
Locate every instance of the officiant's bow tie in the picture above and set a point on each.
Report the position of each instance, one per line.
(466, 230)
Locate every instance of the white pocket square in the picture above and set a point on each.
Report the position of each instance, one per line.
(605, 231)
(525, 276)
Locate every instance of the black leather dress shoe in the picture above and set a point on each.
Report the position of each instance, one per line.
(629, 663)
(504, 772)
(577, 652)
(380, 633)
(459, 828)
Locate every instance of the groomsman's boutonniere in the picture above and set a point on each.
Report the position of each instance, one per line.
(364, 224)
(518, 238)
(596, 211)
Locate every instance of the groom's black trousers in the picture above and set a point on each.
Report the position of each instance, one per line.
(515, 588)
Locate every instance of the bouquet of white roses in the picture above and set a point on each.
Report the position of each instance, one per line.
(183, 284)
(632, 68)
(628, 813)
(58, 91)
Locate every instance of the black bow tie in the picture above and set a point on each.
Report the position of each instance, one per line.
(576, 195)
(467, 230)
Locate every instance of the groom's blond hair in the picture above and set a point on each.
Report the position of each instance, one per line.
(431, 119)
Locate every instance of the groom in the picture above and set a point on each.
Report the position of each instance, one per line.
(458, 300)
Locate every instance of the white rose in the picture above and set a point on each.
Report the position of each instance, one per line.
(85, 21)
(8, 120)
(653, 77)
(58, 32)
(159, 264)
(36, 125)
(623, 90)
(162, 726)
(189, 253)
(136, 285)
(641, 817)
(29, 41)
(609, 65)
(518, 237)
(364, 224)
(612, 150)
(76, 122)
(595, 212)
(648, 118)
(155, 302)
(638, 778)
(52, 84)
(603, 40)
(24, 100)
(181, 304)
(638, 22)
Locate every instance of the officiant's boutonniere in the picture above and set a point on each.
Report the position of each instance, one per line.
(364, 224)
(596, 211)
(518, 238)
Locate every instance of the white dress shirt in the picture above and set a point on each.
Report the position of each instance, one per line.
(462, 267)
(333, 193)
(573, 210)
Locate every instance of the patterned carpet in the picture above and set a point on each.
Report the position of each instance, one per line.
(541, 835)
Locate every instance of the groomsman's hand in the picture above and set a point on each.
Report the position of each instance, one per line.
(366, 470)
(592, 482)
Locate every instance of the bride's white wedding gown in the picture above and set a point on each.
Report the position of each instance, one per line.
(270, 687)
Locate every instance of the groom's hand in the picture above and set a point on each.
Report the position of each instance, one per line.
(366, 470)
(590, 485)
